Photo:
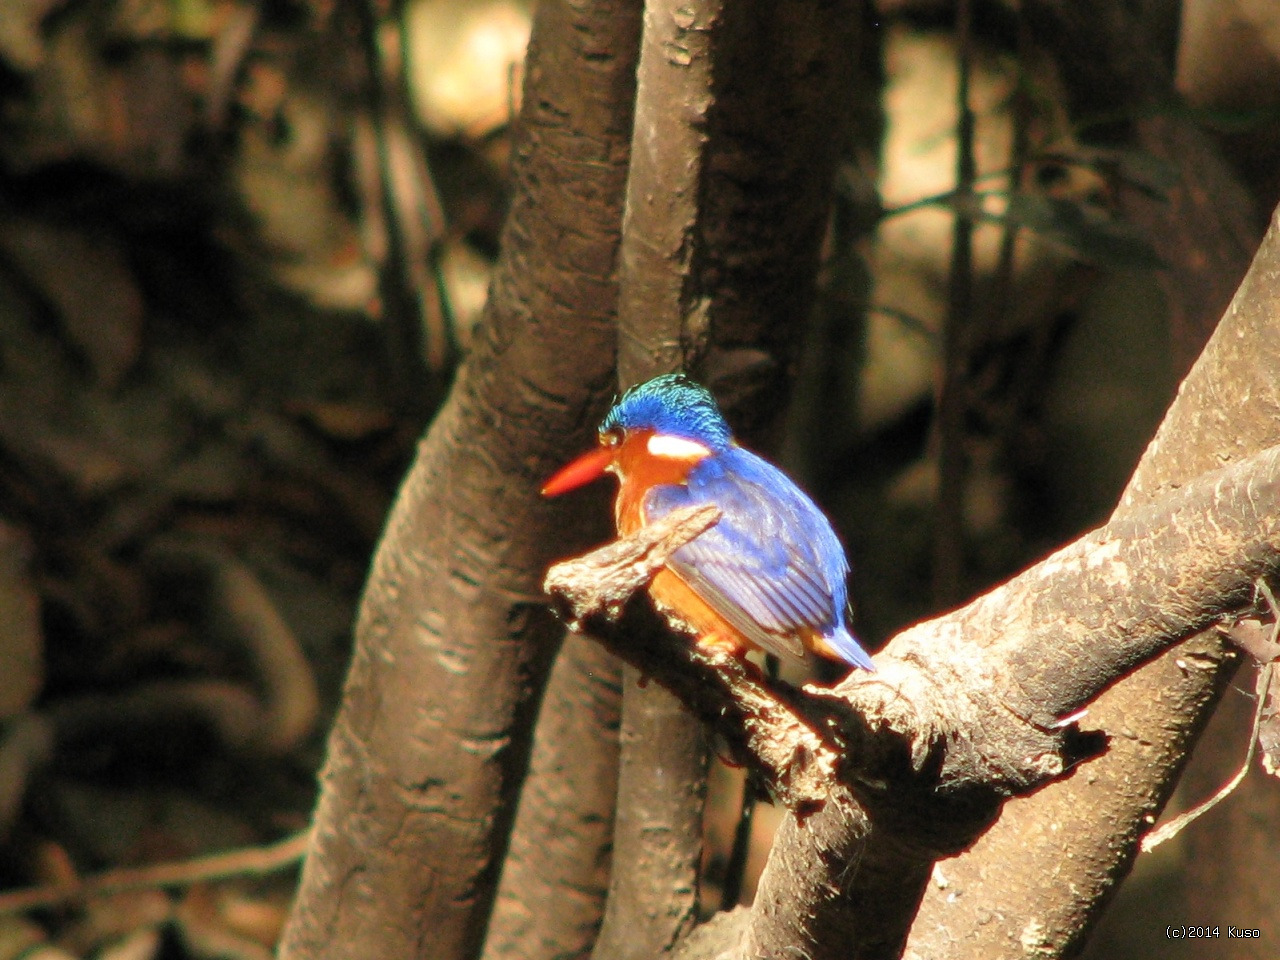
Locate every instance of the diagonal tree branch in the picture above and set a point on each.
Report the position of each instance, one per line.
(1227, 408)
(1002, 672)
(1025, 887)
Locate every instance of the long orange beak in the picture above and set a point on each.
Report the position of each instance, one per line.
(580, 472)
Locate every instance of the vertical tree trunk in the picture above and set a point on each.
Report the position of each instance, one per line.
(454, 638)
(740, 121)
(653, 893)
(556, 874)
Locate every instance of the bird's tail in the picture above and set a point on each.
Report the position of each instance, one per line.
(846, 646)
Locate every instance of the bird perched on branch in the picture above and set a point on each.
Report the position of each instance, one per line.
(770, 575)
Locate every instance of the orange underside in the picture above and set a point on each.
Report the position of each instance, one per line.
(676, 599)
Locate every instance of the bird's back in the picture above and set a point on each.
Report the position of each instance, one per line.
(772, 567)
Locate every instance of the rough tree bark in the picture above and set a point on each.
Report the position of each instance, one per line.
(556, 873)
(653, 890)
(803, 903)
(963, 712)
(1206, 230)
(413, 869)
(454, 640)
(453, 644)
(1036, 882)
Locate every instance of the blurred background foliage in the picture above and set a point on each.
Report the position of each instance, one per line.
(243, 246)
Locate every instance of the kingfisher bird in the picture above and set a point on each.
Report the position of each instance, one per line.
(770, 575)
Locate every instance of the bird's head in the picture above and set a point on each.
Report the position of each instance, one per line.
(663, 426)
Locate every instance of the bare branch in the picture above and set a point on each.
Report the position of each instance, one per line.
(1005, 669)
(990, 704)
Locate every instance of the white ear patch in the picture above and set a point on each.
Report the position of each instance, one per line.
(676, 448)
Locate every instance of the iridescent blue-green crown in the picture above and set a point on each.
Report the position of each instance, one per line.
(674, 406)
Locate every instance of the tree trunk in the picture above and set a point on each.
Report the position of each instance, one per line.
(454, 639)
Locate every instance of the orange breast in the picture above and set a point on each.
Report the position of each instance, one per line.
(639, 472)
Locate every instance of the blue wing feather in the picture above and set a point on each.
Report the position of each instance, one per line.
(772, 566)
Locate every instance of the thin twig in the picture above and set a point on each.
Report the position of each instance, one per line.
(1003, 281)
(245, 862)
(1179, 823)
(952, 197)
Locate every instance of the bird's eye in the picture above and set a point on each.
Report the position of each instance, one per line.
(611, 438)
